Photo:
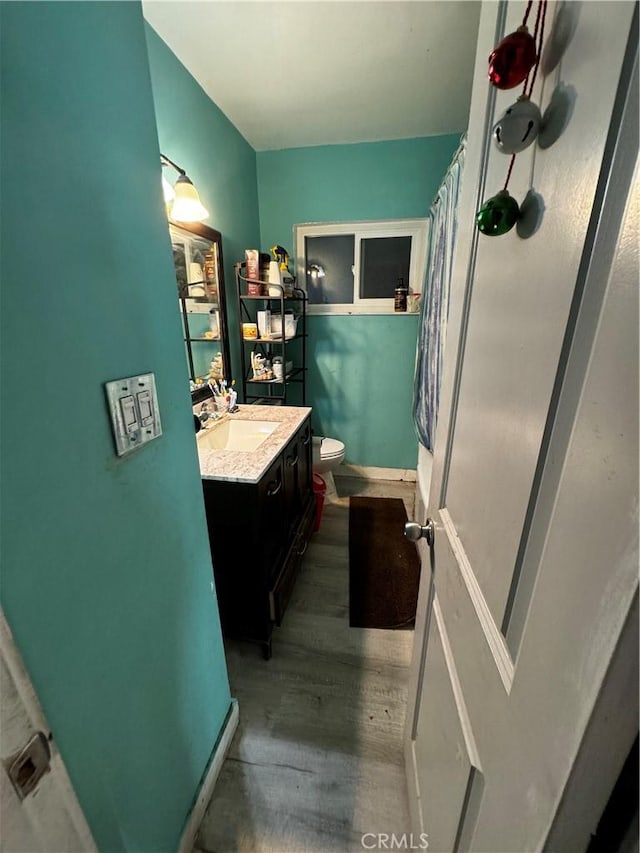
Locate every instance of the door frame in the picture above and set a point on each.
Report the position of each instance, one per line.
(65, 807)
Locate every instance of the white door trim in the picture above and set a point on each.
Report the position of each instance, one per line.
(64, 798)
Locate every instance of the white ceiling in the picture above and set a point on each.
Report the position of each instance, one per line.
(299, 73)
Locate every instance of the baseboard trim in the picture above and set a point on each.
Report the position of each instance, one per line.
(187, 841)
(366, 473)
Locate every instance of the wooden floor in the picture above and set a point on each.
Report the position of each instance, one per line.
(317, 759)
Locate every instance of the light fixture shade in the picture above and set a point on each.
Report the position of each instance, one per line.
(187, 206)
(167, 191)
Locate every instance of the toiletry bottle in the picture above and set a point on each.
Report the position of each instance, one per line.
(274, 278)
(287, 278)
(252, 261)
(400, 301)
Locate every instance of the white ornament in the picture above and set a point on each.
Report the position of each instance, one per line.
(517, 127)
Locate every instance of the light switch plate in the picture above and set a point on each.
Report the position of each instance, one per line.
(135, 417)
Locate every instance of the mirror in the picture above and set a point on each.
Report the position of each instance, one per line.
(197, 258)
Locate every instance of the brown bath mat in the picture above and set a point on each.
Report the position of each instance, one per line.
(384, 567)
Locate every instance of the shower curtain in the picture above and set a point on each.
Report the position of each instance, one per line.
(435, 307)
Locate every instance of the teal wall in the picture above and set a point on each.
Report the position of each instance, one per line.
(197, 135)
(106, 569)
(361, 367)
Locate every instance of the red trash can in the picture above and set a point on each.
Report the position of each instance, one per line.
(319, 490)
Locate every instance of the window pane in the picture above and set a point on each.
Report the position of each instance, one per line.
(329, 265)
(383, 260)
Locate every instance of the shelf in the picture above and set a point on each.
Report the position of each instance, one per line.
(201, 300)
(290, 377)
(211, 300)
(272, 340)
(205, 340)
(258, 399)
(274, 298)
(299, 295)
(278, 305)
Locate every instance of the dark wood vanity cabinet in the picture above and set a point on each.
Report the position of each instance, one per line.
(258, 535)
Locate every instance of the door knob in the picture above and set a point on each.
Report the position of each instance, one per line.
(415, 531)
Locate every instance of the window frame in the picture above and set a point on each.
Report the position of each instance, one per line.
(417, 228)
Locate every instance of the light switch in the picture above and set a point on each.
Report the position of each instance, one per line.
(145, 405)
(135, 417)
(129, 416)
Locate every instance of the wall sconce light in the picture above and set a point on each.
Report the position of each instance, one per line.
(182, 199)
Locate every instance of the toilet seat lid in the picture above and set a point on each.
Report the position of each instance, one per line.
(331, 447)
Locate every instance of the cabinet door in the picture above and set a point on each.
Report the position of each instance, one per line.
(281, 593)
(297, 475)
(291, 459)
(304, 461)
(272, 527)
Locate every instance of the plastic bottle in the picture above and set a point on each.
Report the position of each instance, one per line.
(278, 370)
(274, 278)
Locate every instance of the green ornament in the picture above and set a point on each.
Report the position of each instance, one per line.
(498, 215)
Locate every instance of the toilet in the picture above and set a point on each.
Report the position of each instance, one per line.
(328, 453)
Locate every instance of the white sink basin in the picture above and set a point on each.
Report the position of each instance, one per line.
(235, 434)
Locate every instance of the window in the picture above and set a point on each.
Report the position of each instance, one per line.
(354, 267)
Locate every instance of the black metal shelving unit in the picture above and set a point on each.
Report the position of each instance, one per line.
(273, 391)
(221, 340)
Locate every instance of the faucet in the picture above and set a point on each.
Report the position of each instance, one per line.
(205, 414)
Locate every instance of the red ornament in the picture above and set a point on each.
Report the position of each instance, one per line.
(512, 59)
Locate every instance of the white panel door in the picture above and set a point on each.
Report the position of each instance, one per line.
(534, 494)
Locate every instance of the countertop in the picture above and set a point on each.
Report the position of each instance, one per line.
(237, 466)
